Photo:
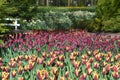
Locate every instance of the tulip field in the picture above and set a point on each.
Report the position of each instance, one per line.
(60, 55)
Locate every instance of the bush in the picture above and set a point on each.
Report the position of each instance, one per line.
(53, 20)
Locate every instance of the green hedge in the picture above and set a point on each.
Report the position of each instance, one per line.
(65, 9)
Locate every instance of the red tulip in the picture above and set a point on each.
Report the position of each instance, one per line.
(115, 75)
(87, 65)
(83, 77)
(115, 68)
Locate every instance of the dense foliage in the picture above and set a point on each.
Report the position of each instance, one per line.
(108, 15)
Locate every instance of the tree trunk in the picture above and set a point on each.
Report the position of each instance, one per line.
(68, 2)
(37, 2)
(47, 2)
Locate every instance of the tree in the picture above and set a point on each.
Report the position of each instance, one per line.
(108, 13)
(25, 9)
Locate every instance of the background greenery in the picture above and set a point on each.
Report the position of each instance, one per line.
(107, 17)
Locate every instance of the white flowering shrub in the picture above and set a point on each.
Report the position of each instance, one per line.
(58, 20)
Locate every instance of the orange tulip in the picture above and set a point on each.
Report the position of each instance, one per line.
(109, 54)
(83, 76)
(95, 52)
(26, 67)
(26, 57)
(5, 75)
(117, 57)
(91, 59)
(40, 60)
(43, 54)
(20, 78)
(62, 78)
(67, 48)
(104, 71)
(7, 68)
(108, 67)
(31, 65)
(104, 64)
(33, 58)
(16, 59)
(76, 64)
(3, 68)
(96, 65)
(12, 64)
(84, 61)
(61, 64)
(89, 71)
(20, 57)
(42, 74)
(84, 56)
(77, 72)
(20, 69)
(89, 52)
(95, 76)
(13, 73)
(61, 57)
(52, 78)
(97, 57)
(72, 57)
(54, 70)
(66, 74)
(87, 65)
(19, 63)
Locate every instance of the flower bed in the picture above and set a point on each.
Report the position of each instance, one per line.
(76, 55)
